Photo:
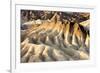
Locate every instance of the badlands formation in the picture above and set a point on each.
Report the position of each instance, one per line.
(57, 38)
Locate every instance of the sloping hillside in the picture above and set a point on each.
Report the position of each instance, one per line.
(54, 36)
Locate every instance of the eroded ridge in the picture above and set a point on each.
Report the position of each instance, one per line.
(54, 40)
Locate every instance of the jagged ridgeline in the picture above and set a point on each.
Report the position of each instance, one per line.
(54, 36)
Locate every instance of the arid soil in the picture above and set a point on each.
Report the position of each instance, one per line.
(58, 38)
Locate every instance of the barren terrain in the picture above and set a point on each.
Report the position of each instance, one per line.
(54, 36)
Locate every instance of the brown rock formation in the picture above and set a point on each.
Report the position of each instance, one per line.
(55, 40)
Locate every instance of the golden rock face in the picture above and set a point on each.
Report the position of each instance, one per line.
(55, 39)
